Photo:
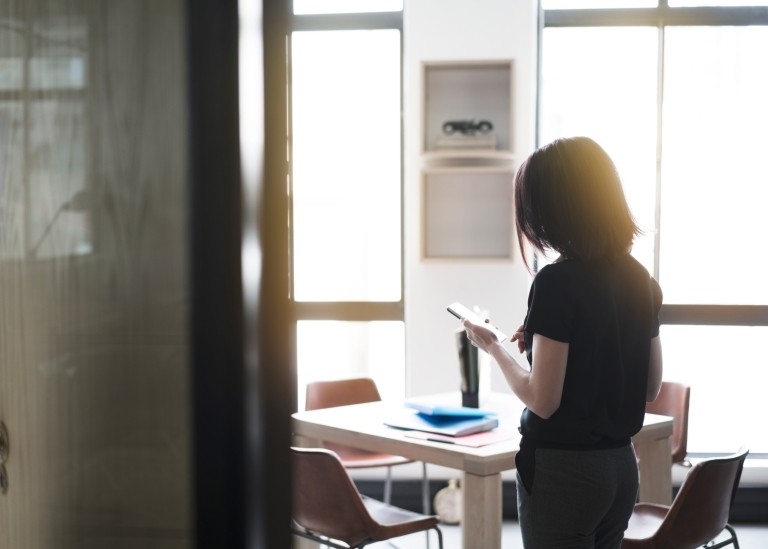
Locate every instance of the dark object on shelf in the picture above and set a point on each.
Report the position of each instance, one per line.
(467, 127)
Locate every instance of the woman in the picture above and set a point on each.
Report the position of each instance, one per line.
(591, 335)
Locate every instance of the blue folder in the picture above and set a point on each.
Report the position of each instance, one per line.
(410, 419)
(429, 409)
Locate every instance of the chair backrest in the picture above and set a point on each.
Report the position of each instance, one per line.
(702, 506)
(340, 392)
(673, 400)
(325, 499)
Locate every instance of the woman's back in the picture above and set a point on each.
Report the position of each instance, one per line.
(607, 313)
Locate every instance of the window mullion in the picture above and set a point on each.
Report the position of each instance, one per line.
(659, 159)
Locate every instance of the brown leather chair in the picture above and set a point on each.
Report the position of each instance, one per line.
(699, 513)
(342, 392)
(328, 508)
(673, 400)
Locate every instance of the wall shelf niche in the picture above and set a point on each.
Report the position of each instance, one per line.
(467, 212)
(467, 154)
(460, 99)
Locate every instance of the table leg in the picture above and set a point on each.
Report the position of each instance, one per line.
(654, 458)
(481, 518)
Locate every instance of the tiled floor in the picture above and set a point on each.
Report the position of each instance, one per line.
(751, 536)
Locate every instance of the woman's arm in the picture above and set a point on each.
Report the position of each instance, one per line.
(539, 389)
(655, 370)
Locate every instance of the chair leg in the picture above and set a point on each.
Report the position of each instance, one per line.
(733, 540)
(424, 489)
(388, 487)
(439, 537)
(425, 499)
(323, 541)
(425, 505)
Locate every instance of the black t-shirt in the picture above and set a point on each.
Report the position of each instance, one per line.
(607, 312)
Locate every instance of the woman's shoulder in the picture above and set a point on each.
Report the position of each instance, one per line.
(562, 268)
(640, 272)
(559, 272)
(574, 269)
(633, 263)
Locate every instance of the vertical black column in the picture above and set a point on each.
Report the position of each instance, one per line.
(243, 334)
(216, 324)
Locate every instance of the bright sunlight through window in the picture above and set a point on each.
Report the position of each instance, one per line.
(706, 223)
(346, 170)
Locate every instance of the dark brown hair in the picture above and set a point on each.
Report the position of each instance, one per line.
(569, 198)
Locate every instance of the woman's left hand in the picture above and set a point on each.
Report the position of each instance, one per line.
(479, 335)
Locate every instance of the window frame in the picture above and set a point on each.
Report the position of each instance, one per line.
(661, 17)
(360, 311)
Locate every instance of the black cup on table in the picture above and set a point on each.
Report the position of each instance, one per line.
(469, 368)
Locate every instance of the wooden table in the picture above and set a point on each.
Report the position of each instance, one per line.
(361, 426)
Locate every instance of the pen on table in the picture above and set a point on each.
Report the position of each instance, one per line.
(440, 440)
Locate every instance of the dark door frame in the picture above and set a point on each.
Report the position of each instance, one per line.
(242, 378)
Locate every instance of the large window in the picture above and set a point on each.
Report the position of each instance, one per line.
(346, 192)
(676, 95)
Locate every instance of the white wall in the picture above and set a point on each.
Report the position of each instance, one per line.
(459, 30)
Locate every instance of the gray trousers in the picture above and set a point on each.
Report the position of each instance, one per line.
(579, 499)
